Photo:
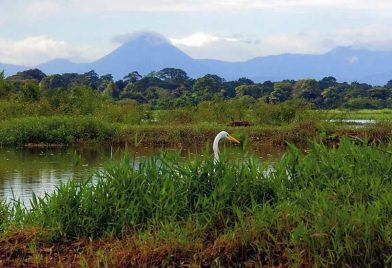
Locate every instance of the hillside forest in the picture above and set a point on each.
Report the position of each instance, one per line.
(172, 88)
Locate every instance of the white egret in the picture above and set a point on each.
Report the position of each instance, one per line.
(215, 147)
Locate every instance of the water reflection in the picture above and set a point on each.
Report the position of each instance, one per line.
(39, 170)
(354, 121)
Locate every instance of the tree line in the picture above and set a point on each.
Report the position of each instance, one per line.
(173, 88)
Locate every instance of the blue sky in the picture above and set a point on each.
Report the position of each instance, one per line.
(34, 31)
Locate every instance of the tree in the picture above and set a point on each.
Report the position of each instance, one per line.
(208, 85)
(173, 75)
(83, 100)
(381, 93)
(90, 79)
(30, 91)
(209, 82)
(253, 90)
(132, 77)
(239, 106)
(357, 90)
(268, 84)
(3, 87)
(389, 84)
(327, 82)
(281, 92)
(187, 99)
(307, 89)
(146, 82)
(332, 97)
(111, 90)
(31, 74)
(71, 79)
(245, 81)
(52, 82)
(228, 89)
(363, 103)
(104, 82)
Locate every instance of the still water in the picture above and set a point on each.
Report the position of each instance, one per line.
(355, 122)
(39, 170)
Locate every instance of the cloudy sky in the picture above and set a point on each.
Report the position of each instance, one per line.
(33, 31)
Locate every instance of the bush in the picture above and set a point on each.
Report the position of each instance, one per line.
(54, 130)
(328, 207)
(281, 113)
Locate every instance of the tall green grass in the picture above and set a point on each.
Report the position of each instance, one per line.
(57, 129)
(130, 197)
(322, 207)
(78, 129)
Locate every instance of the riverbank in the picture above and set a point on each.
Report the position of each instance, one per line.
(68, 130)
(328, 207)
(360, 114)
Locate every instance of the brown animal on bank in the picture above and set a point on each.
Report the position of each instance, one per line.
(239, 124)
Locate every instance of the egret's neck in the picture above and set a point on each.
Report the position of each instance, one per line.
(215, 147)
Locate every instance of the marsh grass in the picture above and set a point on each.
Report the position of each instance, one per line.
(84, 129)
(55, 130)
(322, 207)
(376, 114)
(114, 127)
(125, 198)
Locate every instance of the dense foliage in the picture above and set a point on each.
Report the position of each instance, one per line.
(328, 207)
(172, 88)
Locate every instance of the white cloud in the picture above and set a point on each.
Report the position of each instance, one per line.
(196, 40)
(237, 48)
(38, 49)
(191, 5)
(23, 11)
(221, 5)
(336, 4)
(377, 37)
(40, 8)
(150, 36)
(294, 43)
(205, 45)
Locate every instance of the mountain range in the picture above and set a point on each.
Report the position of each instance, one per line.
(151, 52)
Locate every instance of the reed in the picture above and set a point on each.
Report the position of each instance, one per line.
(55, 130)
(322, 207)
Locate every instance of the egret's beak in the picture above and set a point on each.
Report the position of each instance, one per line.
(230, 138)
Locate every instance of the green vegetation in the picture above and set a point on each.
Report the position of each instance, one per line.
(54, 130)
(323, 208)
(328, 207)
(172, 88)
(371, 114)
(169, 107)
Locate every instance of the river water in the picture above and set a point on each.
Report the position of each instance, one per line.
(39, 170)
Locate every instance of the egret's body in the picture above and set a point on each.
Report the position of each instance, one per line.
(215, 147)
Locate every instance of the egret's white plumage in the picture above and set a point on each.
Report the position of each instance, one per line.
(215, 147)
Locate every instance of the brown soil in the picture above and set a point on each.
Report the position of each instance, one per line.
(28, 248)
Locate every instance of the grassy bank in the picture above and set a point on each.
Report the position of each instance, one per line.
(77, 129)
(328, 207)
(55, 130)
(88, 118)
(370, 114)
(64, 130)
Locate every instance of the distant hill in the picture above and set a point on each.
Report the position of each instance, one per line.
(344, 63)
(10, 69)
(59, 66)
(148, 52)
